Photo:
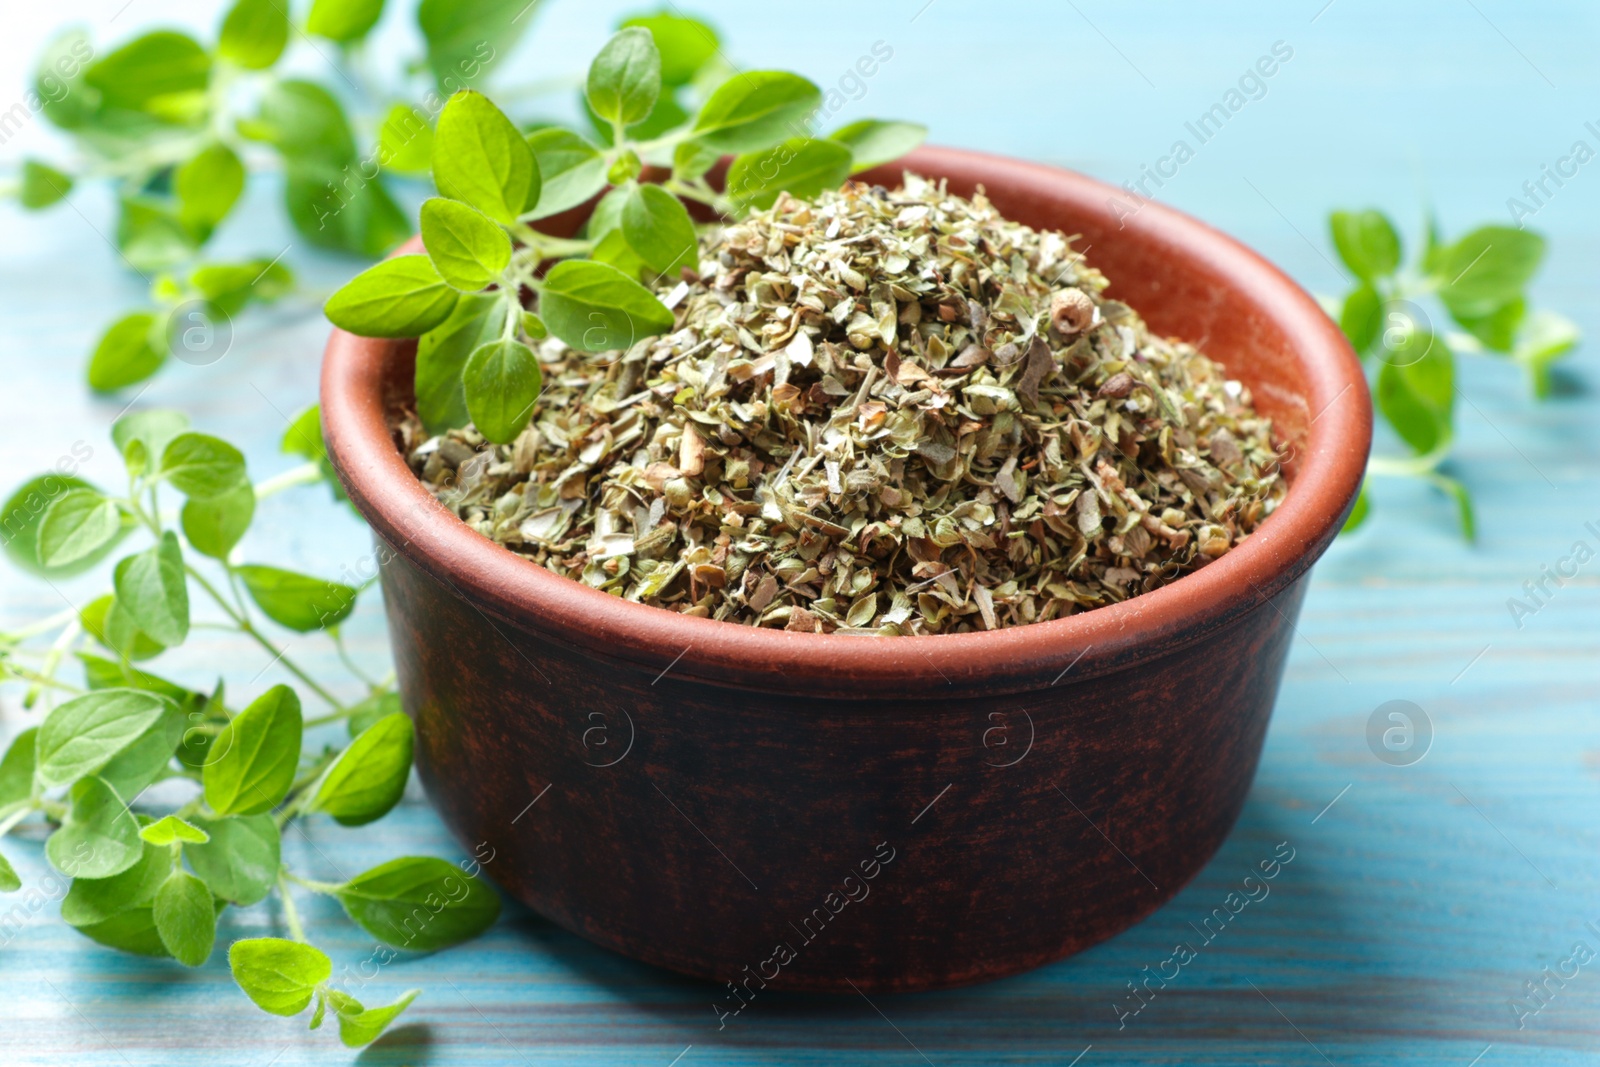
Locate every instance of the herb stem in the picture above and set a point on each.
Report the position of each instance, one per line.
(305, 474)
(350, 664)
(52, 660)
(44, 625)
(291, 914)
(332, 716)
(309, 883)
(690, 192)
(28, 674)
(15, 813)
(255, 635)
(670, 139)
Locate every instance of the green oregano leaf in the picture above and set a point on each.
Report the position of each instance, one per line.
(254, 33)
(102, 673)
(186, 918)
(801, 166)
(405, 140)
(614, 251)
(78, 524)
(321, 1010)
(400, 297)
(1367, 242)
(571, 169)
(16, 767)
(1487, 269)
(144, 761)
(153, 588)
(480, 157)
(657, 226)
(109, 623)
(686, 44)
(625, 77)
(140, 74)
(253, 760)
(42, 185)
(280, 976)
(126, 354)
(94, 900)
(239, 862)
(691, 160)
(142, 436)
(1416, 393)
(99, 837)
(466, 36)
(1361, 318)
(369, 776)
(82, 735)
(755, 109)
(467, 249)
(9, 882)
(501, 383)
(362, 715)
(1498, 329)
(298, 601)
(170, 830)
(215, 525)
(1548, 337)
(420, 903)
(21, 515)
(208, 186)
(343, 20)
(594, 307)
(443, 351)
(873, 142)
(199, 465)
(360, 1026)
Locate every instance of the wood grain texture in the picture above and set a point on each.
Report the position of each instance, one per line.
(1415, 906)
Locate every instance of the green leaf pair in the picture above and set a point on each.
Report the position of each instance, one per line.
(283, 977)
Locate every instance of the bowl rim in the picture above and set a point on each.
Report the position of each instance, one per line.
(552, 607)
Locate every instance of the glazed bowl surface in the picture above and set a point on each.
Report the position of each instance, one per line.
(814, 811)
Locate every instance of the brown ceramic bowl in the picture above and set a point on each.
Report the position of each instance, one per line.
(809, 811)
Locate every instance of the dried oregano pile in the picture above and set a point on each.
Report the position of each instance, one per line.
(878, 413)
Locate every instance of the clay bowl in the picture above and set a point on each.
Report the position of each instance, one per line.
(804, 811)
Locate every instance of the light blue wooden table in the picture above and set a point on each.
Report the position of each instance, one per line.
(1420, 899)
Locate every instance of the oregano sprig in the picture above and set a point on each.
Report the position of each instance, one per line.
(463, 296)
(1480, 282)
(177, 123)
(152, 877)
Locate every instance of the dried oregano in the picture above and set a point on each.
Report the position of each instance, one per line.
(878, 413)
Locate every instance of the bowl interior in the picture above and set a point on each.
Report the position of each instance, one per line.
(1186, 279)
